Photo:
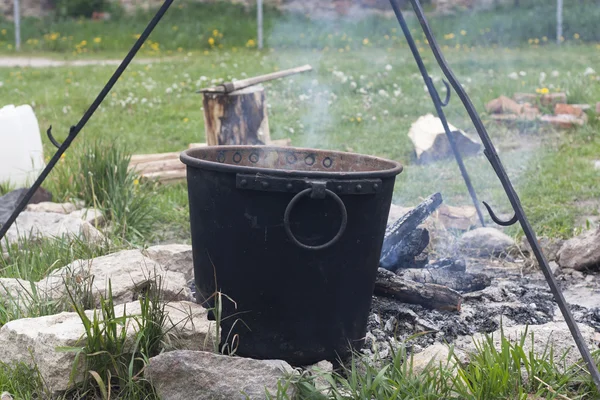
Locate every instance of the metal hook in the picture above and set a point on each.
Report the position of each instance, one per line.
(448, 92)
(54, 141)
(497, 220)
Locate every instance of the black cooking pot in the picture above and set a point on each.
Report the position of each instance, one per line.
(293, 237)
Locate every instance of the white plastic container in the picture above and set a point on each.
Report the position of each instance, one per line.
(21, 151)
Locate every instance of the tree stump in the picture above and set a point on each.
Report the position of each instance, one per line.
(236, 118)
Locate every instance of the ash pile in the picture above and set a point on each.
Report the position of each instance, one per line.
(440, 282)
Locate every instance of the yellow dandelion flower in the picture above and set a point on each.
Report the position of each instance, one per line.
(544, 90)
(576, 36)
(544, 38)
(215, 33)
(211, 41)
(365, 41)
(137, 36)
(97, 40)
(3, 31)
(463, 32)
(186, 120)
(67, 80)
(358, 119)
(83, 43)
(250, 43)
(175, 27)
(136, 182)
(180, 49)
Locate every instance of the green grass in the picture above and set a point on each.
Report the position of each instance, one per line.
(154, 108)
(508, 370)
(204, 26)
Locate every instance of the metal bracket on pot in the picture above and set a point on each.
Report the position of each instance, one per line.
(296, 185)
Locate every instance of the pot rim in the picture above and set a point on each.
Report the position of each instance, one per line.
(188, 158)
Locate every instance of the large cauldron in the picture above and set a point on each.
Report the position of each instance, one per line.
(293, 236)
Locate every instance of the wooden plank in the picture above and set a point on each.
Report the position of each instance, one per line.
(157, 166)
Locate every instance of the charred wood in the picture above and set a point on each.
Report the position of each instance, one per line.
(457, 280)
(428, 295)
(400, 239)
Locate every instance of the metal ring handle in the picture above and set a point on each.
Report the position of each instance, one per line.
(288, 211)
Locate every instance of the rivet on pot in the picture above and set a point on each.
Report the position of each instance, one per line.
(358, 188)
(289, 186)
(375, 186)
(265, 185)
(291, 158)
(221, 157)
(339, 188)
(244, 182)
(309, 160)
(237, 157)
(254, 158)
(327, 162)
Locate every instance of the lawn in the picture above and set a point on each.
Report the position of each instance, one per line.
(362, 100)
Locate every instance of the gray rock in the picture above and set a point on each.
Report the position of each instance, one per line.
(433, 356)
(9, 201)
(555, 268)
(48, 206)
(129, 273)
(92, 216)
(597, 165)
(485, 242)
(44, 225)
(182, 375)
(555, 333)
(581, 252)
(173, 257)
(35, 341)
(6, 396)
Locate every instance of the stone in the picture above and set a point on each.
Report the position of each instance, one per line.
(129, 272)
(35, 225)
(555, 268)
(432, 356)
(431, 143)
(561, 108)
(550, 99)
(202, 375)
(485, 242)
(92, 235)
(6, 396)
(565, 121)
(581, 252)
(48, 206)
(503, 105)
(90, 215)
(525, 97)
(173, 257)
(597, 165)
(555, 333)
(462, 218)
(9, 202)
(35, 341)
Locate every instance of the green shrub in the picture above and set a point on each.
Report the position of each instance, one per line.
(79, 8)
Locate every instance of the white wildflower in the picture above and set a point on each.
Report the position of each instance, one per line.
(388, 67)
(555, 73)
(353, 85)
(383, 93)
(169, 90)
(522, 73)
(589, 71)
(513, 75)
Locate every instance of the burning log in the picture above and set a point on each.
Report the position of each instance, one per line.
(402, 241)
(425, 294)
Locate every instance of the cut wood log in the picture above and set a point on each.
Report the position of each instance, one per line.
(158, 166)
(144, 158)
(166, 176)
(276, 142)
(237, 118)
(397, 233)
(428, 295)
(460, 281)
